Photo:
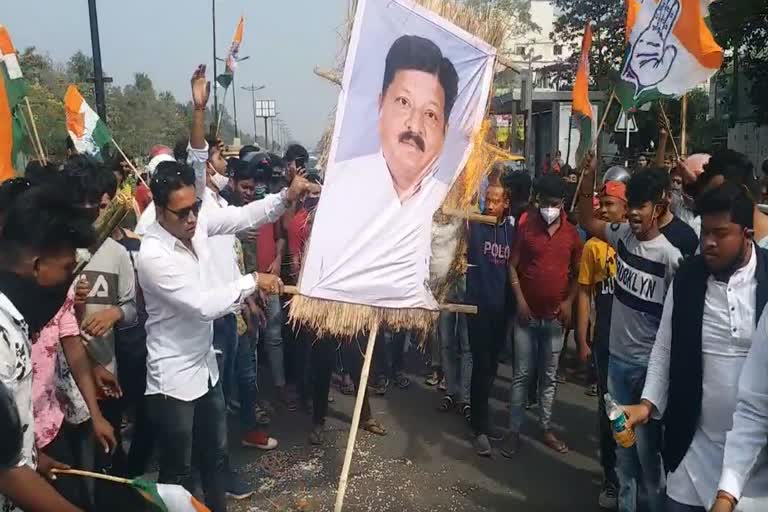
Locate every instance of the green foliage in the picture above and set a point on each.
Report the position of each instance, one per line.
(519, 12)
(742, 26)
(608, 35)
(138, 115)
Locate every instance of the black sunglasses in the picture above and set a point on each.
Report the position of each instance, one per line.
(183, 214)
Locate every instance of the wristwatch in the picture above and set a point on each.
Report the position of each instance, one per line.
(722, 495)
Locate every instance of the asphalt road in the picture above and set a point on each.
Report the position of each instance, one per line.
(426, 462)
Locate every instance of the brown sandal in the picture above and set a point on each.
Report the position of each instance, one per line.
(374, 427)
(553, 442)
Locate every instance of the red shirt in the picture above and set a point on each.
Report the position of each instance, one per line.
(545, 262)
(143, 196)
(297, 231)
(266, 247)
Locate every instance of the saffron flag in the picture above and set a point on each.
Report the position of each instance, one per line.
(168, 498)
(13, 89)
(669, 52)
(89, 133)
(234, 48)
(582, 109)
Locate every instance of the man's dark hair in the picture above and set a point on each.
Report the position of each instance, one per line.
(420, 54)
(295, 151)
(86, 179)
(39, 174)
(10, 190)
(69, 144)
(249, 148)
(728, 197)
(646, 186)
(170, 177)
(662, 175)
(44, 220)
(550, 185)
(260, 169)
(732, 166)
(180, 150)
(518, 185)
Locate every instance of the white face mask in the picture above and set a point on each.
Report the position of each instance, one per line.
(219, 180)
(550, 214)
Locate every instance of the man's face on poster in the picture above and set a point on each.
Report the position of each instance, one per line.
(412, 125)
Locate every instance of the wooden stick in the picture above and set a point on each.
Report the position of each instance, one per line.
(100, 476)
(29, 134)
(669, 129)
(34, 130)
(361, 388)
(133, 168)
(448, 307)
(683, 125)
(605, 116)
(463, 214)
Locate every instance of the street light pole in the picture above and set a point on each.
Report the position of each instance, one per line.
(98, 73)
(252, 89)
(215, 92)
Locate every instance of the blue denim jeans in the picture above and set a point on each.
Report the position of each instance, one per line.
(639, 467)
(245, 376)
(273, 340)
(225, 346)
(455, 352)
(537, 345)
(197, 426)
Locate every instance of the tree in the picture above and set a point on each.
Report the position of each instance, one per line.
(743, 27)
(608, 36)
(519, 12)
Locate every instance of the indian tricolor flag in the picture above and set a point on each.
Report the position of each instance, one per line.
(13, 89)
(234, 48)
(89, 133)
(670, 51)
(582, 109)
(168, 498)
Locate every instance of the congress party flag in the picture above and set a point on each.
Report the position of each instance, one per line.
(670, 51)
(89, 133)
(13, 89)
(234, 48)
(168, 498)
(582, 109)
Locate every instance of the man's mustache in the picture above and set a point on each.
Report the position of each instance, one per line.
(414, 137)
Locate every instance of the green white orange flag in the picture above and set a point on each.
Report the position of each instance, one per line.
(168, 498)
(13, 89)
(670, 51)
(582, 109)
(225, 79)
(89, 133)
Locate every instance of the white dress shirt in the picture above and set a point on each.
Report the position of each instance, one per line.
(183, 297)
(368, 247)
(726, 335)
(745, 465)
(223, 256)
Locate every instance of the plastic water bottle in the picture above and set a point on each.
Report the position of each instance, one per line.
(625, 437)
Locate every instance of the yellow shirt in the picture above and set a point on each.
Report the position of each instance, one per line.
(598, 262)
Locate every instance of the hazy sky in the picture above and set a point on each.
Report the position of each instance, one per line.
(166, 39)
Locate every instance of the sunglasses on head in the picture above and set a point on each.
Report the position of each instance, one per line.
(183, 214)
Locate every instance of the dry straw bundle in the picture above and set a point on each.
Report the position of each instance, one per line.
(448, 261)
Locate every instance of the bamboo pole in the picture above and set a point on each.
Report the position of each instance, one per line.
(29, 134)
(462, 214)
(594, 145)
(683, 126)
(34, 131)
(361, 389)
(133, 168)
(99, 476)
(448, 307)
(669, 129)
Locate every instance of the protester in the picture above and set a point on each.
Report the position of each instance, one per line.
(488, 253)
(41, 231)
(712, 310)
(542, 268)
(646, 263)
(679, 234)
(597, 280)
(456, 354)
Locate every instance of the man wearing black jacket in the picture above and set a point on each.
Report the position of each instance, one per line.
(705, 334)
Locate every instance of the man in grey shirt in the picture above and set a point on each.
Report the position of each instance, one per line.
(646, 262)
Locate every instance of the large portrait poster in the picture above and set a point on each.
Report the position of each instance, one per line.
(413, 94)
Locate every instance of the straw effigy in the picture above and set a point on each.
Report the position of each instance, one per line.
(448, 261)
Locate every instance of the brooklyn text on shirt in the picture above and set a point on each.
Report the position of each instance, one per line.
(640, 282)
(499, 253)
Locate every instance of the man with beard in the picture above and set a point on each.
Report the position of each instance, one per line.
(701, 346)
(41, 232)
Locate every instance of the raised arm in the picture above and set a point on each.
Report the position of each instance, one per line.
(198, 147)
(587, 220)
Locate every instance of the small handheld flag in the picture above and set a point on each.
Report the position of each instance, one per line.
(89, 133)
(13, 90)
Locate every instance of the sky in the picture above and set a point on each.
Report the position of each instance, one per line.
(167, 39)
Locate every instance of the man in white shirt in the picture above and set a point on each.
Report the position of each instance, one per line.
(375, 212)
(706, 331)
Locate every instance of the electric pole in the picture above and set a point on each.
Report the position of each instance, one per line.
(253, 89)
(98, 74)
(215, 93)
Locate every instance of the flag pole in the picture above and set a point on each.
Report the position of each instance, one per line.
(361, 390)
(669, 129)
(130, 164)
(683, 125)
(100, 476)
(29, 134)
(221, 112)
(34, 130)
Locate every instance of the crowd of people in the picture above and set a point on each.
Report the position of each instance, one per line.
(660, 277)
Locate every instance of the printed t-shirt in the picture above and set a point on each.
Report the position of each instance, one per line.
(598, 270)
